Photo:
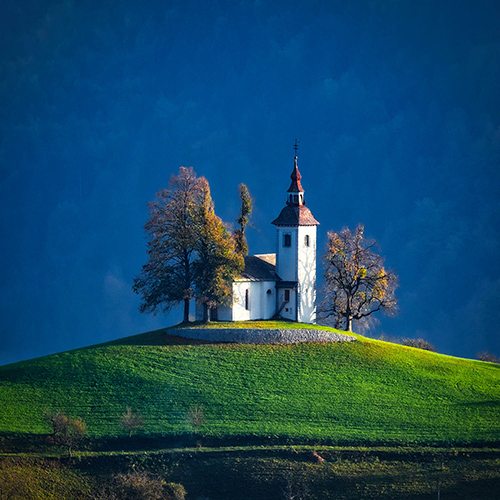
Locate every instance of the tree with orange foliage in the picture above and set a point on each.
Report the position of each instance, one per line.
(356, 282)
(167, 279)
(218, 264)
(191, 253)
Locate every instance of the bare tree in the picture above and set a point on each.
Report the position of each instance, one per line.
(131, 421)
(356, 281)
(419, 343)
(196, 416)
(487, 356)
(294, 489)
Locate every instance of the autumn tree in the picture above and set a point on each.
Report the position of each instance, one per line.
(67, 431)
(356, 282)
(167, 279)
(240, 241)
(57, 420)
(218, 264)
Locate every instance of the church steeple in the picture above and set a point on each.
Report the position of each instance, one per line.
(295, 191)
(295, 212)
(296, 255)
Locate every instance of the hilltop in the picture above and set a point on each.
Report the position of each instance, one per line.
(366, 391)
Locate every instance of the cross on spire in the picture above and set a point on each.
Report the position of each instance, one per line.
(296, 147)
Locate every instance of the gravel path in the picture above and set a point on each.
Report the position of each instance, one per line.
(261, 336)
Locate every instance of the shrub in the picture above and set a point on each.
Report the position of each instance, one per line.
(176, 491)
(487, 356)
(140, 485)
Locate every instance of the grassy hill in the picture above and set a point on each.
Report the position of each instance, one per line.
(366, 391)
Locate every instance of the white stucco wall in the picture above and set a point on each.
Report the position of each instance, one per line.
(297, 263)
(261, 304)
(286, 257)
(306, 271)
(289, 309)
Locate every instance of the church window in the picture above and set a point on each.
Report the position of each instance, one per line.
(295, 198)
(287, 295)
(287, 240)
(247, 301)
(306, 240)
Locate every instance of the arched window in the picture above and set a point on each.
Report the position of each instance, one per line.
(287, 240)
(306, 240)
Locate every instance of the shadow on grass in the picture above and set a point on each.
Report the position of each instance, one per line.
(158, 337)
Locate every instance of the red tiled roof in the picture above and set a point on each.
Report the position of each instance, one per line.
(295, 215)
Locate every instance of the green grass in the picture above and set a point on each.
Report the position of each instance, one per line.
(366, 391)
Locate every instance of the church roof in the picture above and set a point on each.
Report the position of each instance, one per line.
(295, 186)
(295, 215)
(258, 269)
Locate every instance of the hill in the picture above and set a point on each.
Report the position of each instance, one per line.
(366, 391)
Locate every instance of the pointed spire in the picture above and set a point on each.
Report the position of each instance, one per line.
(295, 213)
(295, 186)
(296, 196)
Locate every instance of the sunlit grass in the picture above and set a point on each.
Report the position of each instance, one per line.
(364, 391)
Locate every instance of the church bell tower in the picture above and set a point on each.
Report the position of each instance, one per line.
(296, 255)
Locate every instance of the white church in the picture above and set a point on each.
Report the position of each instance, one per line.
(282, 284)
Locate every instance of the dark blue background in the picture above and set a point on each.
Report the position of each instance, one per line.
(396, 105)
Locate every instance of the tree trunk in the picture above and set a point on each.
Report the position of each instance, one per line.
(206, 313)
(348, 324)
(348, 316)
(186, 310)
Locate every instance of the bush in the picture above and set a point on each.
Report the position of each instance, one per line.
(176, 491)
(419, 343)
(487, 356)
(140, 485)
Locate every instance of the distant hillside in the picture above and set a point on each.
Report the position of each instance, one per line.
(364, 391)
